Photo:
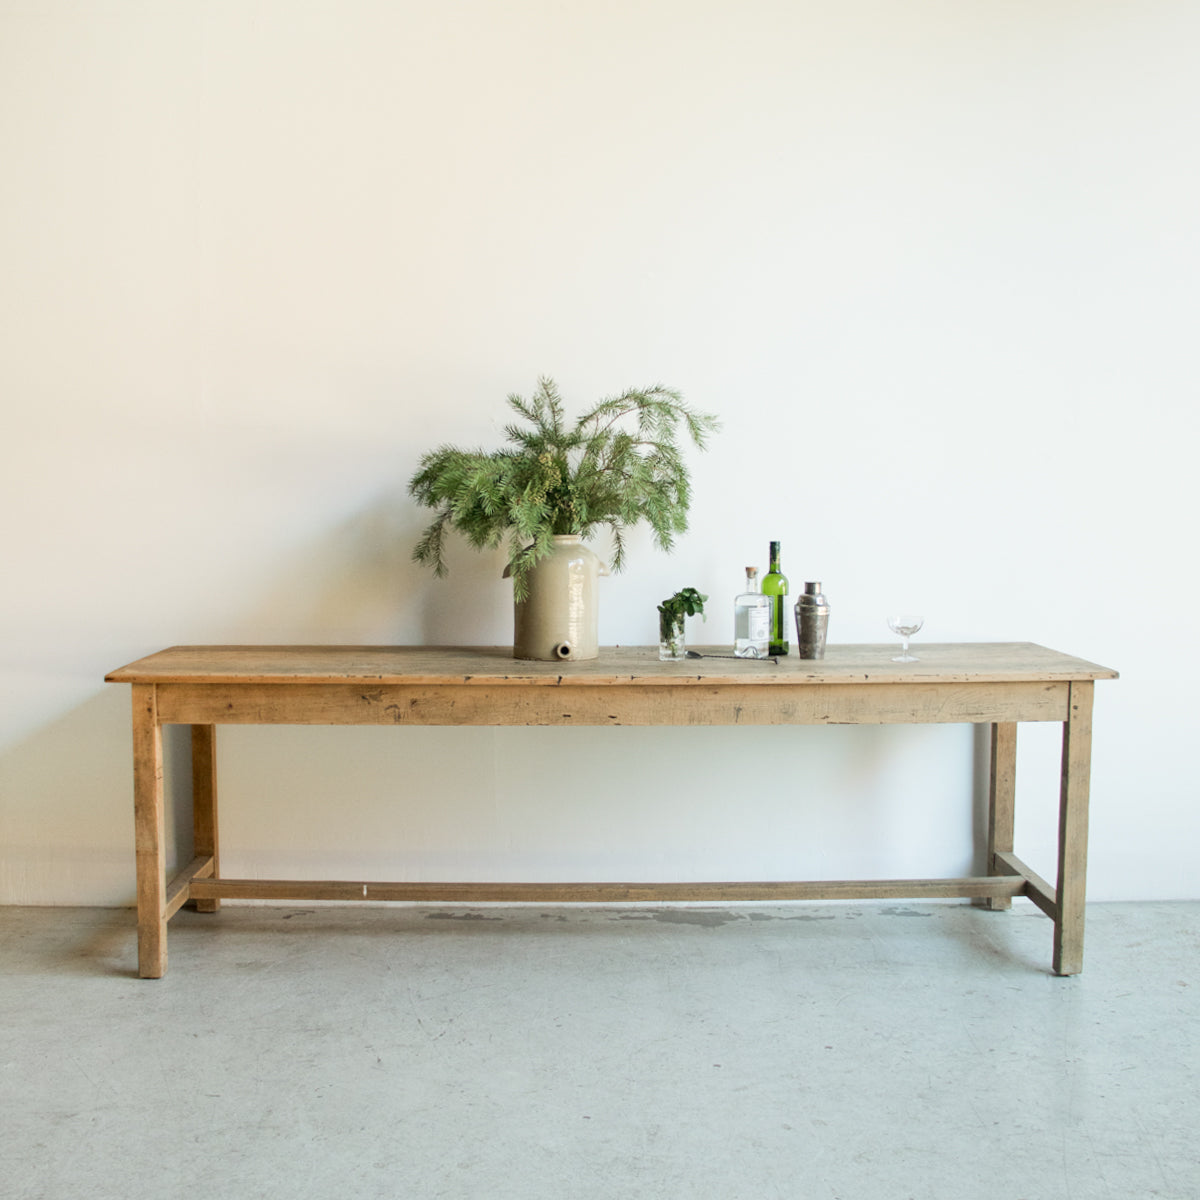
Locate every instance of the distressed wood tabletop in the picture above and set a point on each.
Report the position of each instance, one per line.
(958, 662)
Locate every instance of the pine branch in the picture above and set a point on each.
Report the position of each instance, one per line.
(618, 465)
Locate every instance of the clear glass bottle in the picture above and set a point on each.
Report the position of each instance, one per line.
(751, 620)
(775, 587)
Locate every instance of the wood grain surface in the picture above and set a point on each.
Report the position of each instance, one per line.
(966, 662)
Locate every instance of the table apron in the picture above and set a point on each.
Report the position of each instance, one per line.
(364, 703)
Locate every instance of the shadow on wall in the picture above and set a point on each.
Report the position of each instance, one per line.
(357, 583)
(66, 797)
(66, 813)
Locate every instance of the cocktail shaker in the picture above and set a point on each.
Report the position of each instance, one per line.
(812, 621)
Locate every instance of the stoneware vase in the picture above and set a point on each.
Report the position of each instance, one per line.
(559, 620)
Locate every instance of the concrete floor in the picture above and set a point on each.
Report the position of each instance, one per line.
(813, 1052)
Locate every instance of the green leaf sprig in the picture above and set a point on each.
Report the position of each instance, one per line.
(685, 603)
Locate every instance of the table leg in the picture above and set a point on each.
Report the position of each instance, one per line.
(149, 839)
(1002, 791)
(204, 802)
(1073, 831)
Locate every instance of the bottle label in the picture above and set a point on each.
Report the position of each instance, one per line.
(759, 624)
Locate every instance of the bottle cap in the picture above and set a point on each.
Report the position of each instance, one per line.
(812, 597)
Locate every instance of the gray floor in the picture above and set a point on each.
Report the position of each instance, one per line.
(806, 1051)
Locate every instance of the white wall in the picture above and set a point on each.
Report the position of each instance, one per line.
(934, 264)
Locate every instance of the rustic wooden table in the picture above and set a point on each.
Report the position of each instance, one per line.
(998, 684)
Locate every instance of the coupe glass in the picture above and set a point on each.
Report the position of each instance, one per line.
(905, 625)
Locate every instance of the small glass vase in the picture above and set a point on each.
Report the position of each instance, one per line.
(671, 646)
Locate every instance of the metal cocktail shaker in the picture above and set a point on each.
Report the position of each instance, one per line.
(812, 621)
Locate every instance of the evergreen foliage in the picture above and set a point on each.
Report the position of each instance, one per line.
(618, 464)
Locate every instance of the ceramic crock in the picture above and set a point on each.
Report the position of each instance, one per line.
(559, 619)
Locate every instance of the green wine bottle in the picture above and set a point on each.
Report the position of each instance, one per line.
(775, 585)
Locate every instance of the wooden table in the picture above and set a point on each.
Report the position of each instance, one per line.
(997, 684)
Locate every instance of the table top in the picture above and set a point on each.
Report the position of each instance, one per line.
(958, 662)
